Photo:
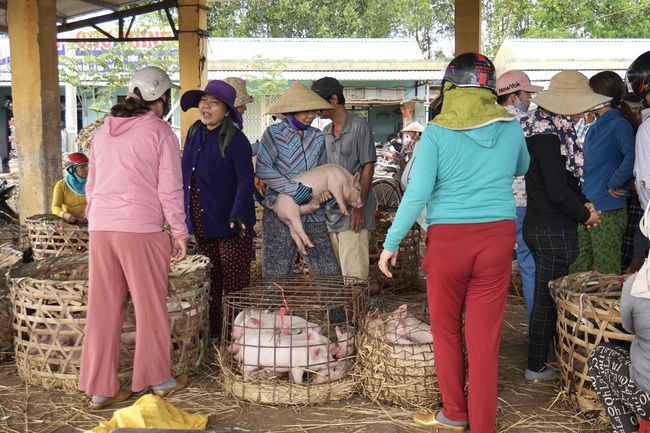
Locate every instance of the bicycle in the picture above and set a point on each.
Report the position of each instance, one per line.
(387, 191)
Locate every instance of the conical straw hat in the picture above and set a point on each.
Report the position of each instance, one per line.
(297, 98)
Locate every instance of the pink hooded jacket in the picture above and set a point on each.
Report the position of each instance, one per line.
(134, 180)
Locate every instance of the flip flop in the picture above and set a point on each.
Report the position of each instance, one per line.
(122, 395)
(181, 382)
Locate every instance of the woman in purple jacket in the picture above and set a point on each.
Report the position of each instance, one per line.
(218, 182)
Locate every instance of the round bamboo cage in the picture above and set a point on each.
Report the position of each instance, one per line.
(9, 257)
(588, 309)
(49, 299)
(401, 373)
(406, 274)
(290, 340)
(50, 236)
(85, 137)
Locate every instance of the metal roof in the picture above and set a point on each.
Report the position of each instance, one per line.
(344, 75)
(543, 58)
(306, 59)
(307, 49)
(69, 10)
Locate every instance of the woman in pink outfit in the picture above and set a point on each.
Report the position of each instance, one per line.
(134, 186)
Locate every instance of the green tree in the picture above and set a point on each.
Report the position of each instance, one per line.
(99, 68)
(562, 19)
(423, 20)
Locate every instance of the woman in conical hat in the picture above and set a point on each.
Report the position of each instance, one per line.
(287, 149)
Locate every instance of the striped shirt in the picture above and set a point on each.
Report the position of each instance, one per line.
(283, 155)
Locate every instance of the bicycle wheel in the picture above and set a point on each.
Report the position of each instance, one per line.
(387, 195)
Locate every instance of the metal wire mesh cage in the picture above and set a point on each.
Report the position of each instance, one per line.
(290, 339)
(406, 274)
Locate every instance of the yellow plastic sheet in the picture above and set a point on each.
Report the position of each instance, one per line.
(151, 411)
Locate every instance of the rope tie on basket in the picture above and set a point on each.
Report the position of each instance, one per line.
(284, 309)
(577, 325)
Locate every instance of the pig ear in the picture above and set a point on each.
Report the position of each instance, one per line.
(338, 331)
(356, 177)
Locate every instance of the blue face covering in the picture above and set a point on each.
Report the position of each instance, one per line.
(295, 123)
(520, 106)
(76, 183)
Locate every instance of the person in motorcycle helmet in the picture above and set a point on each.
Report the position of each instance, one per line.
(462, 173)
(69, 198)
(134, 186)
(638, 79)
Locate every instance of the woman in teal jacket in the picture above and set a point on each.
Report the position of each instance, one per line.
(463, 174)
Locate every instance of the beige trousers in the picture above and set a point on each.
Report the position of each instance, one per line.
(352, 252)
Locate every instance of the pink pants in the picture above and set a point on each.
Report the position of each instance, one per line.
(468, 268)
(137, 263)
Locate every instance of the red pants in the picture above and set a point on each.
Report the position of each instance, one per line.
(468, 268)
(137, 263)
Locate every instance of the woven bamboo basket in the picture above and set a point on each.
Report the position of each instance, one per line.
(49, 300)
(588, 305)
(9, 257)
(406, 274)
(50, 236)
(85, 137)
(402, 374)
(327, 302)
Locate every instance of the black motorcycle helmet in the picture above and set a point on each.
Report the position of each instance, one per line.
(637, 76)
(471, 70)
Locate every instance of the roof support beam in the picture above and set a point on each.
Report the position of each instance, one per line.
(101, 4)
(122, 16)
(468, 26)
(192, 52)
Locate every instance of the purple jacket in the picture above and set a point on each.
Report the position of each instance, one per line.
(225, 185)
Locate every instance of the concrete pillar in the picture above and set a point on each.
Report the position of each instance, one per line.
(468, 26)
(36, 101)
(193, 52)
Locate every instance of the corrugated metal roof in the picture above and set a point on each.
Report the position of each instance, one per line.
(543, 58)
(72, 9)
(434, 75)
(303, 49)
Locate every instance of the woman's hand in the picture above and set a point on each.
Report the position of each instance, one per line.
(386, 257)
(325, 197)
(69, 218)
(617, 193)
(179, 250)
(594, 219)
(590, 206)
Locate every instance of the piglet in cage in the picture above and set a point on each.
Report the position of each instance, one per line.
(400, 327)
(342, 351)
(283, 353)
(345, 188)
(268, 321)
(67, 337)
(344, 344)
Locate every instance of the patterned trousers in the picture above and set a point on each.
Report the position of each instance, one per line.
(623, 400)
(553, 251)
